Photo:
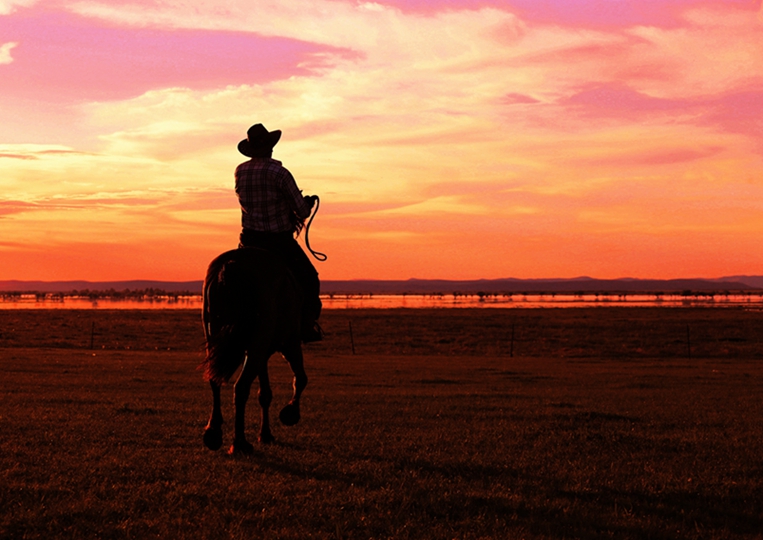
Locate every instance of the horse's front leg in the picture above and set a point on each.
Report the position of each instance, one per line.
(213, 433)
(290, 415)
(265, 398)
(240, 396)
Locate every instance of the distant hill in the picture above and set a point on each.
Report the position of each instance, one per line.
(752, 281)
(497, 286)
(425, 286)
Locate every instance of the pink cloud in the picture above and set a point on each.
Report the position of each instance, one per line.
(736, 111)
(17, 156)
(619, 101)
(31, 155)
(15, 207)
(668, 156)
(514, 99)
(616, 13)
(65, 57)
(580, 13)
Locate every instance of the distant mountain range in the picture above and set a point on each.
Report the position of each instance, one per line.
(512, 285)
(424, 286)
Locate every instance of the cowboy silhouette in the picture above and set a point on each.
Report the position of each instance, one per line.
(273, 209)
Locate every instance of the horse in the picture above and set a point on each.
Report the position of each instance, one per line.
(251, 310)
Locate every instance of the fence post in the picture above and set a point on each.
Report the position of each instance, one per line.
(352, 339)
(511, 348)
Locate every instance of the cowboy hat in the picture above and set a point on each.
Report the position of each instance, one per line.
(258, 138)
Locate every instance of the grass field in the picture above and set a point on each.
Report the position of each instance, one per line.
(590, 423)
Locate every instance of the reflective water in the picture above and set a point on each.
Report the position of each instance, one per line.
(544, 301)
(750, 301)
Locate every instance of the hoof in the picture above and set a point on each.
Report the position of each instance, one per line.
(213, 438)
(266, 438)
(289, 415)
(241, 448)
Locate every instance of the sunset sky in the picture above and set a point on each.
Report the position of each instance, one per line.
(454, 139)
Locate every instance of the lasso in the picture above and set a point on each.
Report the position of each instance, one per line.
(317, 254)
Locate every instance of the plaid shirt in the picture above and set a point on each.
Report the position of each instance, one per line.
(269, 197)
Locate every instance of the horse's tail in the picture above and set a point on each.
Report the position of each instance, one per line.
(225, 324)
(225, 354)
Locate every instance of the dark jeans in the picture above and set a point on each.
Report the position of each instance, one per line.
(285, 245)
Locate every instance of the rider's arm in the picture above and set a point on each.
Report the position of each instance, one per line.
(297, 202)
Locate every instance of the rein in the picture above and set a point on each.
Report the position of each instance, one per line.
(317, 254)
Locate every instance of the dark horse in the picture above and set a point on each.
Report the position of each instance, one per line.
(251, 310)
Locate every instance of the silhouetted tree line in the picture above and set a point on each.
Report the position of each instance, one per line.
(124, 294)
(131, 293)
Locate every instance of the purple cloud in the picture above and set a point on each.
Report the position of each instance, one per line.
(66, 57)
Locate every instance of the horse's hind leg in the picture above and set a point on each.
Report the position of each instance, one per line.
(289, 415)
(241, 391)
(265, 398)
(213, 433)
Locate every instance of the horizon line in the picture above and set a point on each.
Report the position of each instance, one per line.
(400, 280)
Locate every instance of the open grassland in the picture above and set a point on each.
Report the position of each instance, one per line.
(599, 426)
(568, 332)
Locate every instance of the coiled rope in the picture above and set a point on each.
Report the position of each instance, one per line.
(317, 254)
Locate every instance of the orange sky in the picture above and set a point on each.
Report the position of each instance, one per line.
(454, 139)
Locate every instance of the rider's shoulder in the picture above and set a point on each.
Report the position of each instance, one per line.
(271, 166)
(260, 162)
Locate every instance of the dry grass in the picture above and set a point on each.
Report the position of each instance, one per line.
(430, 431)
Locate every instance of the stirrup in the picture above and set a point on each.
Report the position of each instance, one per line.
(312, 333)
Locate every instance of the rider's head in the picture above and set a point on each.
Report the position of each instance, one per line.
(259, 142)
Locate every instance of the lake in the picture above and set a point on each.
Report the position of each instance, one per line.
(335, 301)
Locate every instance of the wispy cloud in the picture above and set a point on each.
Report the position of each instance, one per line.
(9, 6)
(5, 52)
(68, 57)
(435, 131)
(17, 156)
